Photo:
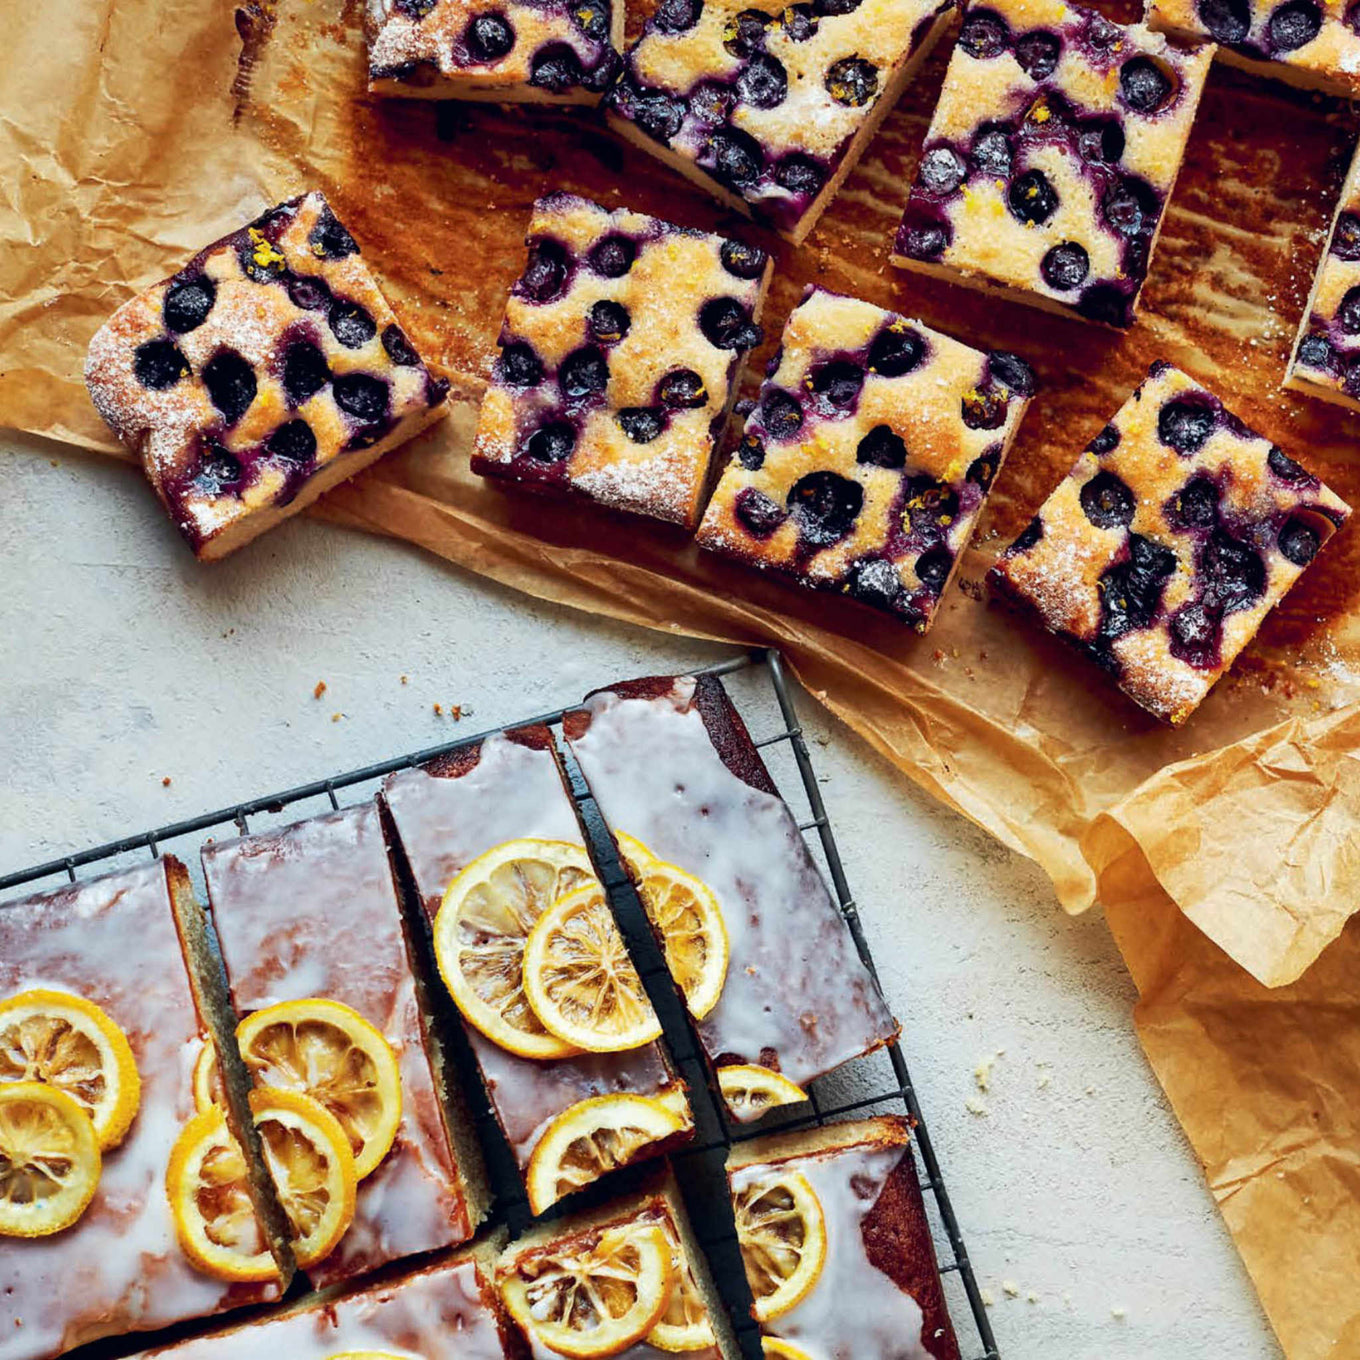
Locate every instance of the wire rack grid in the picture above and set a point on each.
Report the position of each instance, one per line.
(699, 1166)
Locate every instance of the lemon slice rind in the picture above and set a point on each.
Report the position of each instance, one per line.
(50, 1162)
(782, 1233)
(750, 1091)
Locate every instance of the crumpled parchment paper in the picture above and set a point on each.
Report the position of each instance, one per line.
(134, 131)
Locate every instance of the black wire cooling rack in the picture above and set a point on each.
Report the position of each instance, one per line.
(876, 1084)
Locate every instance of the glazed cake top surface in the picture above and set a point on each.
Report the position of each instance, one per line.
(618, 351)
(113, 941)
(1052, 151)
(266, 356)
(1174, 534)
(311, 911)
(797, 997)
(869, 454)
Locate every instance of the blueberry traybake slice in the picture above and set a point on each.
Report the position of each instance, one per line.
(264, 372)
(522, 51)
(1051, 156)
(1326, 358)
(868, 457)
(1163, 550)
(619, 357)
(769, 104)
(1303, 42)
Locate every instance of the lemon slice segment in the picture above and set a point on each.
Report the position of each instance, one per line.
(49, 1159)
(481, 929)
(328, 1051)
(580, 981)
(207, 1080)
(67, 1042)
(782, 1233)
(595, 1136)
(685, 1325)
(308, 1154)
(593, 1300)
(775, 1349)
(750, 1090)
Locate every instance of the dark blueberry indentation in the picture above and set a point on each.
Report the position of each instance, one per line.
(351, 324)
(931, 508)
(1196, 635)
(1299, 542)
(546, 273)
(1346, 237)
(875, 580)
(799, 175)
(592, 18)
(1100, 141)
(1348, 313)
(1012, 372)
(1294, 25)
(1101, 33)
(982, 470)
(489, 37)
(1228, 21)
(781, 414)
(923, 240)
(1185, 424)
(1106, 303)
(608, 321)
(681, 389)
(1130, 206)
(361, 395)
(1065, 266)
(584, 372)
(1107, 501)
(745, 33)
(551, 443)
(984, 34)
(1287, 470)
(992, 154)
(826, 506)
(1131, 592)
(1144, 85)
(1029, 537)
(932, 567)
(1195, 505)
(741, 260)
(882, 447)
(519, 365)
(1032, 198)
(942, 170)
(726, 324)
(230, 381)
(658, 114)
(1105, 441)
(677, 16)
(414, 9)
(984, 407)
(1233, 572)
(1038, 53)
(294, 441)
(642, 424)
(1350, 378)
(737, 157)
(158, 364)
(555, 68)
(799, 22)
(852, 81)
(329, 239)
(757, 512)
(763, 82)
(612, 256)
(751, 452)
(188, 302)
(896, 349)
(305, 371)
(308, 293)
(398, 348)
(1352, 18)
(836, 386)
(217, 470)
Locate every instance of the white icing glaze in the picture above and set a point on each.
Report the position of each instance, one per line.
(436, 1315)
(854, 1311)
(312, 911)
(447, 822)
(119, 1268)
(795, 984)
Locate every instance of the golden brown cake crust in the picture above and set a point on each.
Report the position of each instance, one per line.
(1173, 536)
(268, 369)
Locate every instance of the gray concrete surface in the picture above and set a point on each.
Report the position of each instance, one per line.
(123, 664)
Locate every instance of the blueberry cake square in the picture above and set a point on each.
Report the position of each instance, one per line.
(1302, 42)
(521, 51)
(868, 457)
(769, 105)
(1163, 550)
(1051, 156)
(619, 358)
(267, 370)
(1326, 358)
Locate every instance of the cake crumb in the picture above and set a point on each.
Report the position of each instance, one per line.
(165, 781)
(335, 717)
(405, 679)
(456, 712)
(1032, 1297)
(1119, 1314)
(982, 1073)
(319, 690)
(974, 1106)
(439, 710)
(988, 1298)
(1012, 1289)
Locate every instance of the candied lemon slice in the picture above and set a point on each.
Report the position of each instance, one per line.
(685, 1325)
(750, 1090)
(65, 1041)
(596, 1135)
(481, 929)
(782, 1233)
(775, 1349)
(325, 1050)
(580, 981)
(49, 1159)
(207, 1079)
(594, 1299)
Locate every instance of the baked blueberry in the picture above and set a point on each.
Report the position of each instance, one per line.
(982, 470)
(742, 260)
(682, 388)
(592, 18)
(1101, 141)
(1012, 372)
(1299, 541)
(361, 395)
(1186, 425)
(159, 364)
(658, 114)
(726, 324)
(397, 347)
(642, 424)
(1345, 238)
(551, 443)
(895, 350)
(1284, 467)
(992, 153)
(216, 472)
(826, 506)
(584, 373)
(677, 16)
(835, 386)
(612, 257)
(305, 371)
(1294, 24)
(800, 22)
(933, 567)
(231, 384)
(293, 441)
(1038, 53)
(984, 407)
(351, 324)
(763, 82)
(882, 447)
(1144, 85)
(1106, 440)
(1032, 198)
(751, 452)
(608, 321)
(1227, 21)
(943, 170)
(744, 34)
(519, 365)
(1065, 266)
(188, 302)
(555, 68)
(1195, 505)
(876, 581)
(1107, 501)
(985, 34)
(489, 37)
(329, 238)
(758, 513)
(852, 81)
(736, 156)
(800, 175)
(780, 413)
